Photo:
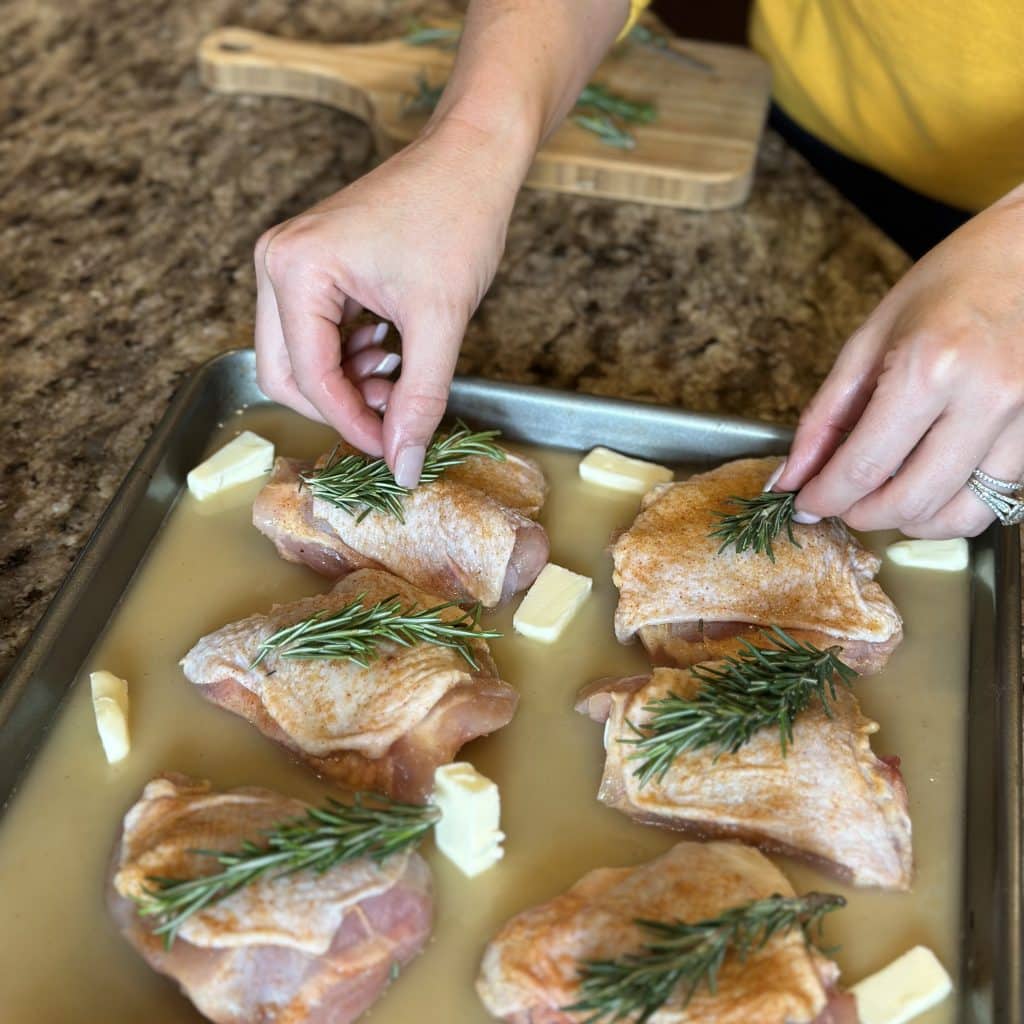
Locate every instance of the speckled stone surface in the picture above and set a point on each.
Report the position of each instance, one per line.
(130, 198)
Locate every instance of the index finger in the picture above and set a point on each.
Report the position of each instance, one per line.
(314, 347)
(430, 349)
(835, 408)
(896, 417)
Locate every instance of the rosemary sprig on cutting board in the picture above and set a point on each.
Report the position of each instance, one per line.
(605, 128)
(757, 523)
(425, 98)
(355, 631)
(759, 688)
(445, 37)
(601, 98)
(360, 485)
(316, 842)
(683, 956)
(598, 109)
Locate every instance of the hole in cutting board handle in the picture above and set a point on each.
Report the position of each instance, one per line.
(229, 47)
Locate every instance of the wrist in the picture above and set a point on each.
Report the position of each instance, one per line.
(497, 143)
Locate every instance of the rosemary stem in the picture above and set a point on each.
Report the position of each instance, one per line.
(321, 839)
(759, 688)
(356, 630)
(681, 957)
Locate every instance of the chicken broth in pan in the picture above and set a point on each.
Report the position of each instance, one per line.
(61, 957)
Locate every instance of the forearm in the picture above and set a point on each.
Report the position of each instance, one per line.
(520, 67)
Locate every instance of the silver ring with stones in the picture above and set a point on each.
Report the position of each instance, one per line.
(1003, 486)
(1003, 497)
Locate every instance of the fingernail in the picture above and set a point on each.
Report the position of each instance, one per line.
(387, 365)
(807, 518)
(380, 332)
(774, 478)
(409, 464)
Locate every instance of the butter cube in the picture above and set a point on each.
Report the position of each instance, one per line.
(110, 706)
(246, 458)
(911, 984)
(618, 472)
(554, 598)
(944, 555)
(468, 833)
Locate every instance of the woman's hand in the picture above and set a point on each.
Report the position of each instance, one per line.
(417, 242)
(930, 388)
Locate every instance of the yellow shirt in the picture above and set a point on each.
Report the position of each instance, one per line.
(930, 92)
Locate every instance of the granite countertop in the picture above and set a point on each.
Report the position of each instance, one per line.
(130, 199)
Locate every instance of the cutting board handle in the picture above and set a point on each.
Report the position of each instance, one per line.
(237, 60)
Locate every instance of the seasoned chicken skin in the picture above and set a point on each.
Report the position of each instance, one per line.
(385, 727)
(304, 948)
(828, 800)
(529, 969)
(469, 535)
(688, 603)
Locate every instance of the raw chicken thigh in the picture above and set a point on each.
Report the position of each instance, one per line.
(689, 603)
(303, 948)
(529, 969)
(468, 536)
(828, 799)
(385, 727)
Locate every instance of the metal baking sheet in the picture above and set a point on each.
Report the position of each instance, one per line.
(990, 987)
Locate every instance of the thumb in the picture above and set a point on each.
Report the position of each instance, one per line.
(835, 408)
(419, 398)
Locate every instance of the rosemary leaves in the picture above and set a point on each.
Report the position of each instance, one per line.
(606, 110)
(759, 688)
(425, 98)
(659, 43)
(605, 128)
(355, 632)
(318, 841)
(757, 523)
(602, 98)
(598, 109)
(683, 956)
(360, 485)
(444, 37)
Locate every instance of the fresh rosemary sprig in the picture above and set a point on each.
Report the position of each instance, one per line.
(608, 106)
(606, 130)
(601, 98)
(644, 36)
(318, 841)
(360, 485)
(759, 688)
(355, 631)
(425, 98)
(685, 956)
(757, 523)
(445, 37)
(596, 109)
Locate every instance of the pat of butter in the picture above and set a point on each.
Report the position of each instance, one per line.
(618, 472)
(110, 706)
(246, 458)
(468, 833)
(911, 984)
(945, 555)
(550, 603)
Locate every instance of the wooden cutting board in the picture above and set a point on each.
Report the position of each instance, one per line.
(698, 153)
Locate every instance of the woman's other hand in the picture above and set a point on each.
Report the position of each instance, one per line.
(930, 388)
